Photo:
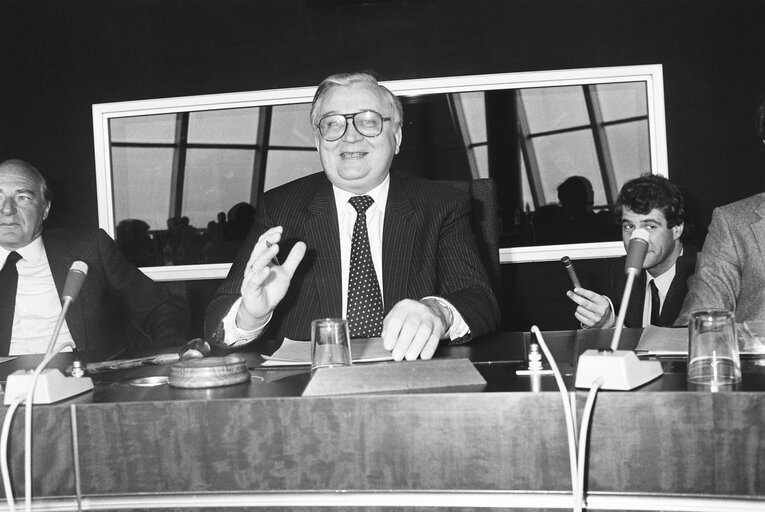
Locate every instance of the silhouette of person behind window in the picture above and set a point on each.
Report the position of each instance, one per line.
(133, 239)
(240, 219)
(581, 224)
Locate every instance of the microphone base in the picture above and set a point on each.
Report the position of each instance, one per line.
(620, 370)
(52, 386)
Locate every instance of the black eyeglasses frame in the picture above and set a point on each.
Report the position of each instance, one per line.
(352, 118)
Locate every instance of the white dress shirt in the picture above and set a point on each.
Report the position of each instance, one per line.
(37, 302)
(663, 282)
(346, 218)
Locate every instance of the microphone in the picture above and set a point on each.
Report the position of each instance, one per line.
(54, 385)
(636, 251)
(620, 369)
(72, 286)
(571, 272)
(74, 280)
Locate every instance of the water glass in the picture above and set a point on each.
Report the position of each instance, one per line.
(713, 355)
(330, 343)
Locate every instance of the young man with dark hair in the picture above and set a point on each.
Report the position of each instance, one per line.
(653, 203)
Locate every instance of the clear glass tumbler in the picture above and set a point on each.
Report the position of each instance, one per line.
(330, 343)
(713, 355)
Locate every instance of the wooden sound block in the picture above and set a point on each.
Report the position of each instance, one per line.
(209, 372)
(435, 375)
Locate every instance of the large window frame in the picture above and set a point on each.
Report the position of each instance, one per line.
(651, 75)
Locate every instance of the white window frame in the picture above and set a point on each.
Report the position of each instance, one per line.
(651, 75)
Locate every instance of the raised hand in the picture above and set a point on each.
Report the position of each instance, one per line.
(265, 280)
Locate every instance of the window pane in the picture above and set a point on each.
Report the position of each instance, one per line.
(156, 129)
(474, 109)
(232, 126)
(630, 152)
(554, 108)
(216, 179)
(290, 126)
(564, 155)
(528, 199)
(619, 101)
(285, 166)
(481, 154)
(141, 179)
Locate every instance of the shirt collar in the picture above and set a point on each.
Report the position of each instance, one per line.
(664, 281)
(379, 194)
(32, 253)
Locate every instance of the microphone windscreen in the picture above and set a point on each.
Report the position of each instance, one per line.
(74, 280)
(636, 251)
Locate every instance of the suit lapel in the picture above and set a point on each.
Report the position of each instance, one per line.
(322, 237)
(398, 238)
(758, 226)
(684, 267)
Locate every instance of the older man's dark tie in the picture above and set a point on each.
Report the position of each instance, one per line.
(365, 306)
(655, 303)
(9, 278)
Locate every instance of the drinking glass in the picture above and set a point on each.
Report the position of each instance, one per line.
(330, 343)
(713, 358)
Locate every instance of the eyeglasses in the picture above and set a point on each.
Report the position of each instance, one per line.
(367, 122)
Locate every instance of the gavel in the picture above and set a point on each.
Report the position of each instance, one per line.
(194, 349)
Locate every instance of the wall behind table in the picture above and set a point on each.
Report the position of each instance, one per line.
(60, 57)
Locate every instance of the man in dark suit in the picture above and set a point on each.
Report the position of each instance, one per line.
(118, 306)
(653, 203)
(428, 281)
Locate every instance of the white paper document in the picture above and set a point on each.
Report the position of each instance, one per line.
(293, 352)
(671, 341)
(663, 341)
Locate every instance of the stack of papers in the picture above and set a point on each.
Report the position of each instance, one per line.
(663, 341)
(293, 352)
(673, 341)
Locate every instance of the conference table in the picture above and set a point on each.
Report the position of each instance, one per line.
(260, 445)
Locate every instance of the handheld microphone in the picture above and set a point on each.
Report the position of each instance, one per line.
(74, 280)
(571, 272)
(636, 251)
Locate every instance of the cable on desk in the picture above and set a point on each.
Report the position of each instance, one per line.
(49, 355)
(583, 430)
(570, 429)
(4, 453)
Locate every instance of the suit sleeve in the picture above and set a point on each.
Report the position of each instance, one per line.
(151, 309)
(462, 278)
(230, 290)
(717, 281)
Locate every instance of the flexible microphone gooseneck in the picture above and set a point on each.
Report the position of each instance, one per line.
(636, 251)
(72, 286)
(619, 369)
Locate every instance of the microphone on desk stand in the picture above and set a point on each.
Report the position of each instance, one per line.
(72, 286)
(620, 369)
(51, 385)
